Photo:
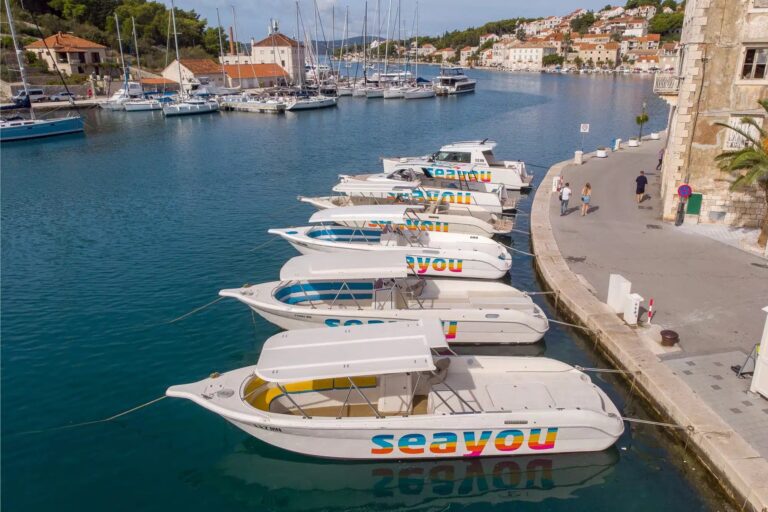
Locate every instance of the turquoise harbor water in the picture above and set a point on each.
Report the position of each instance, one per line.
(106, 237)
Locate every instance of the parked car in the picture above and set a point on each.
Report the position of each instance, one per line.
(63, 96)
(34, 95)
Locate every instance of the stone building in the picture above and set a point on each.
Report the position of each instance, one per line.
(723, 64)
(528, 56)
(195, 72)
(73, 55)
(277, 48)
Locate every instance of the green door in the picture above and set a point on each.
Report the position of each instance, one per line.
(694, 204)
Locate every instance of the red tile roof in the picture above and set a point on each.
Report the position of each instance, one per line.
(277, 39)
(157, 81)
(254, 71)
(63, 42)
(201, 66)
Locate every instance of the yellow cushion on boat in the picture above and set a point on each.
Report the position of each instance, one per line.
(263, 400)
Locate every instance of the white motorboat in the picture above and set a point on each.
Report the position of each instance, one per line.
(417, 93)
(452, 80)
(395, 92)
(467, 161)
(430, 217)
(430, 253)
(347, 289)
(356, 192)
(309, 103)
(374, 92)
(190, 106)
(142, 105)
(380, 392)
(129, 91)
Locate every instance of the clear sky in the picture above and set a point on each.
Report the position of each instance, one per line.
(435, 16)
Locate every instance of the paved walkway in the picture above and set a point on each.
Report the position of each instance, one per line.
(710, 292)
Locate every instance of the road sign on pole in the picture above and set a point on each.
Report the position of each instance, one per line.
(584, 129)
(684, 191)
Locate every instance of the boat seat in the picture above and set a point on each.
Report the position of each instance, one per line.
(441, 370)
(264, 399)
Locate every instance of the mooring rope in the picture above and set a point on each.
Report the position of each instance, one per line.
(517, 250)
(93, 422)
(568, 324)
(521, 231)
(264, 244)
(603, 370)
(185, 315)
(689, 428)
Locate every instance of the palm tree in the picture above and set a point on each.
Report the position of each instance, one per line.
(749, 165)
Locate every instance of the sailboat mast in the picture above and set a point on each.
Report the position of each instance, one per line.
(138, 59)
(237, 49)
(122, 57)
(386, 43)
(417, 43)
(221, 50)
(19, 57)
(176, 42)
(300, 58)
(344, 39)
(365, 46)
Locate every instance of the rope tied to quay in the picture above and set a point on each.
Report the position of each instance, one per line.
(689, 428)
(94, 422)
(518, 250)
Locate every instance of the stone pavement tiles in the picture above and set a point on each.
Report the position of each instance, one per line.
(709, 292)
(713, 380)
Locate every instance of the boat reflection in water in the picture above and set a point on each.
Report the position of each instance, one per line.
(257, 474)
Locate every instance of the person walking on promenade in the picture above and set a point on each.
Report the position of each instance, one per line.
(661, 159)
(586, 195)
(565, 196)
(641, 181)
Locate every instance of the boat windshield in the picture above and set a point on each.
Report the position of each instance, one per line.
(453, 156)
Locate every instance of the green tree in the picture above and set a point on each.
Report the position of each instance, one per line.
(749, 165)
(666, 24)
(641, 120)
(669, 3)
(211, 40)
(552, 60)
(583, 22)
(520, 34)
(578, 62)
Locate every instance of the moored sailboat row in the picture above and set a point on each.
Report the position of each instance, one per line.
(378, 296)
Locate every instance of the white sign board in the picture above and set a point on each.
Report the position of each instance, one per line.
(584, 128)
(760, 377)
(618, 290)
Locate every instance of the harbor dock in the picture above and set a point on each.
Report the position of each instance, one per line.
(262, 108)
(695, 280)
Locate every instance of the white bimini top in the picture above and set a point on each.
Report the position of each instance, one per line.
(394, 213)
(345, 265)
(373, 349)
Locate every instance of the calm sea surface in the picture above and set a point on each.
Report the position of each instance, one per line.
(106, 237)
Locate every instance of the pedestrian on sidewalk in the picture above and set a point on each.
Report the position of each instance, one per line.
(586, 195)
(565, 196)
(661, 159)
(641, 182)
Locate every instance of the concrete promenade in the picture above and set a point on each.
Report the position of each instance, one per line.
(710, 292)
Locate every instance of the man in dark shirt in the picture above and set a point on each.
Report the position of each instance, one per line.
(641, 181)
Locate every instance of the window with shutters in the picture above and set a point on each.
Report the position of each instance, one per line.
(755, 64)
(760, 4)
(735, 141)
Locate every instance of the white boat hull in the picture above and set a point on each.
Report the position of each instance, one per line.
(187, 109)
(439, 222)
(374, 93)
(511, 174)
(434, 254)
(394, 93)
(472, 312)
(556, 409)
(142, 106)
(419, 93)
(310, 104)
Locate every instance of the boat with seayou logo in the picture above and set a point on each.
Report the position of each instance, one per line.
(467, 161)
(344, 289)
(387, 392)
(427, 252)
(431, 217)
(459, 198)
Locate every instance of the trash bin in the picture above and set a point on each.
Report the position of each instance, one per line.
(578, 158)
(632, 308)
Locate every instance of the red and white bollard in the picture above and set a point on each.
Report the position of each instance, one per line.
(650, 311)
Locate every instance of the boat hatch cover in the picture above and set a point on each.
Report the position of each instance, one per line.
(345, 265)
(386, 212)
(353, 351)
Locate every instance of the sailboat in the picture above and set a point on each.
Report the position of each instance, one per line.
(416, 92)
(143, 104)
(187, 105)
(129, 90)
(303, 100)
(18, 128)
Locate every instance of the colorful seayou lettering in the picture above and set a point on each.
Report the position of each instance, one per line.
(412, 225)
(467, 443)
(434, 196)
(424, 264)
(458, 174)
